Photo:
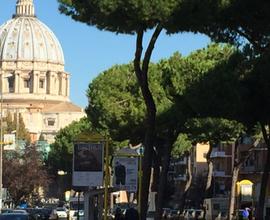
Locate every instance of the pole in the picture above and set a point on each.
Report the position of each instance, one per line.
(78, 209)
(140, 185)
(106, 179)
(1, 148)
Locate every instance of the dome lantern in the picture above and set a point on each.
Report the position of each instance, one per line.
(25, 8)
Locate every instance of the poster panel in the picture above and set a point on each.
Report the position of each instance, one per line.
(125, 173)
(87, 164)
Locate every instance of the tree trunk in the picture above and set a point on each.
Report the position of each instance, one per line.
(208, 188)
(264, 181)
(147, 164)
(236, 170)
(188, 184)
(237, 164)
(141, 71)
(163, 178)
(156, 172)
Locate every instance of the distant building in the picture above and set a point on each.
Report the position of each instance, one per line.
(33, 80)
(222, 157)
(179, 169)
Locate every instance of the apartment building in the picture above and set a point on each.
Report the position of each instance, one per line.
(195, 160)
(251, 172)
(222, 156)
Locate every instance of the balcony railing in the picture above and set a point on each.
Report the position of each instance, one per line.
(219, 174)
(251, 169)
(215, 154)
(182, 161)
(182, 177)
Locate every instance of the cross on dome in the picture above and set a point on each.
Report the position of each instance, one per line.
(25, 8)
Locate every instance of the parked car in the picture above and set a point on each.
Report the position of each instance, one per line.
(198, 213)
(189, 213)
(23, 211)
(221, 216)
(192, 214)
(6, 210)
(39, 213)
(15, 216)
(59, 212)
(173, 214)
(81, 215)
(165, 212)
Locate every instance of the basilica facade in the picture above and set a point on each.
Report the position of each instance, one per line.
(33, 80)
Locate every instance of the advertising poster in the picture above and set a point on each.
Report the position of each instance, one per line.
(88, 164)
(125, 173)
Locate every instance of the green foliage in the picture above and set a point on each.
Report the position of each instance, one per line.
(60, 155)
(181, 145)
(204, 87)
(11, 126)
(213, 130)
(248, 23)
(116, 103)
(22, 133)
(120, 16)
(257, 90)
(208, 82)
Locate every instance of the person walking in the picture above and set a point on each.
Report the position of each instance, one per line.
(131, 214)
(118, 214)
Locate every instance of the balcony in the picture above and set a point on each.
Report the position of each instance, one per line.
(251, 169)
(217, 154)
(220, 174)
(181, 177)
(183, 161)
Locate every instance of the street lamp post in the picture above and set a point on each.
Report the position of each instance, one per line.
(1, 146)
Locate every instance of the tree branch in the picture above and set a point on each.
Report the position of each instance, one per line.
(250, 39)
(250, 150)
(265, 135)
(138, 54)
(150, 48)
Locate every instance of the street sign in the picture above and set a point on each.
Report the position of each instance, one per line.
(9, 142)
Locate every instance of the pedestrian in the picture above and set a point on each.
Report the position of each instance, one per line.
(118, 214)
(246, 213)
(131, 214)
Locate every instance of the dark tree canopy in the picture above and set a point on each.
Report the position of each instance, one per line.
(120, 16)
(116, 103)
(239, 22)
(24, 173)
(60, 156)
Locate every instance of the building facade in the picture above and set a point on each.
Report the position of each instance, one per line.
(33, 80)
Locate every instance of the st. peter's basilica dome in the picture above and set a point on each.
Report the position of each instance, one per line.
(26, 38)
(33, 80)
(31, 58)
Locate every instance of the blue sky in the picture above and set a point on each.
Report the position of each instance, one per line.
(89, 51)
